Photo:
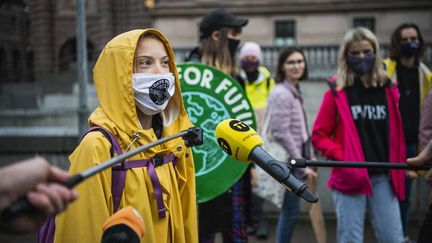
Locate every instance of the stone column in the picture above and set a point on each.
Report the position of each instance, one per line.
(41, 36)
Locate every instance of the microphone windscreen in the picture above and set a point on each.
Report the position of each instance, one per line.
(126, 225)
(237, 139)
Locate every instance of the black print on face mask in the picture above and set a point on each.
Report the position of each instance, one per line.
(159, 91)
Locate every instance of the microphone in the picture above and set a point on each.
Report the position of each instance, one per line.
(242, 143)
(126, 225)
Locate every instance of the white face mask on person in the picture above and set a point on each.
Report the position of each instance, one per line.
(152, 92)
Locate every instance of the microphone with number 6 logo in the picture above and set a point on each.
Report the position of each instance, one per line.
(242, 143)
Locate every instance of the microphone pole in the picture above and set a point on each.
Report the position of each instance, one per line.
(192, 137)
(281, 172)
(303, 163)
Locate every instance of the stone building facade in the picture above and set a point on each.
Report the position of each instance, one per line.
(15, 52)
(301, 22)
(52, 35)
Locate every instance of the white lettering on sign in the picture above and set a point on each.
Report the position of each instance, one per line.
(242, 106)
(244, 116)
(192, 71)
(192, 76)
(223, 85)
(206, 79)
(231, 95)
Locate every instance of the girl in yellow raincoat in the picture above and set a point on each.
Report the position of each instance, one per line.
(140, 101)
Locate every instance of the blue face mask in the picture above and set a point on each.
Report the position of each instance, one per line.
(409, 49)
(361, 65)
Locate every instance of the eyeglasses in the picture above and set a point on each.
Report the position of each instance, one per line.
(293, 62)
(409, 39)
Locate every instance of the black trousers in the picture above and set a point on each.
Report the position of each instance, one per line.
(425, 234)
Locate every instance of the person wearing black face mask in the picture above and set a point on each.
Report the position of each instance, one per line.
(219, 31)
(226, 214)
(359, 120)
(257, 83)
(361, 64)
(414, 83)
(257, 78)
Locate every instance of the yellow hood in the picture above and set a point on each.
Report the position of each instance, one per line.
(83, 220)
(113, 81)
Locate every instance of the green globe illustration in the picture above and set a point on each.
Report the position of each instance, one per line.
(206, 112)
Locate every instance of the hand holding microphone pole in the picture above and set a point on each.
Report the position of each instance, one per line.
(242, 143)
(192, 137)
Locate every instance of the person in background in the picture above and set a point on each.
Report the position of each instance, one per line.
(141, 101)
(288, 127)
(41, 184)
(256, 78)
(219, 40)
(425, 128)
(258, 83)
(359, 120)
(414, 82)
(425, 156)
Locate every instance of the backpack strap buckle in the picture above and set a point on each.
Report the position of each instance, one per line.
(157, 160)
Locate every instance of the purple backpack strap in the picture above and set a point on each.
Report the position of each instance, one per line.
(151, 164)
(113, 141)
(46, 231)
(118, 178)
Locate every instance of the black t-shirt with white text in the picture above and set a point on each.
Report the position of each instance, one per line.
(370, 114)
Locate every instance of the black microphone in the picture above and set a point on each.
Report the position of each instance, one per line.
(242, 142)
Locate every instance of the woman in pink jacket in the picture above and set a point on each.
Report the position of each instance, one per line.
(359, 121)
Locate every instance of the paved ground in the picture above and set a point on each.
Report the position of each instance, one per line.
(302, 233)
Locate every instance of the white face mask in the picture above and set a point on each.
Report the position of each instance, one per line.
(152, 92)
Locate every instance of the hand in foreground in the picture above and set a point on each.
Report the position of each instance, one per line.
(424, 157)
(41, 184)
(309, 172)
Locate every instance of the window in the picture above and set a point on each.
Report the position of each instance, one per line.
(8, 23)
(285, 33)
(16, 63)
(3, 71)
(368, 23)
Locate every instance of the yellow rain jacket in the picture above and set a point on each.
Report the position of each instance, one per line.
(425, 77)
(258, 92)
(83, 220)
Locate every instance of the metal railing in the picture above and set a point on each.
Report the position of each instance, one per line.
(321, 59)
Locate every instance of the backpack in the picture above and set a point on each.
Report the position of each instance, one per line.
(47, 230)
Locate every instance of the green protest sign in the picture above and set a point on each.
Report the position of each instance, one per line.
(211, 96)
